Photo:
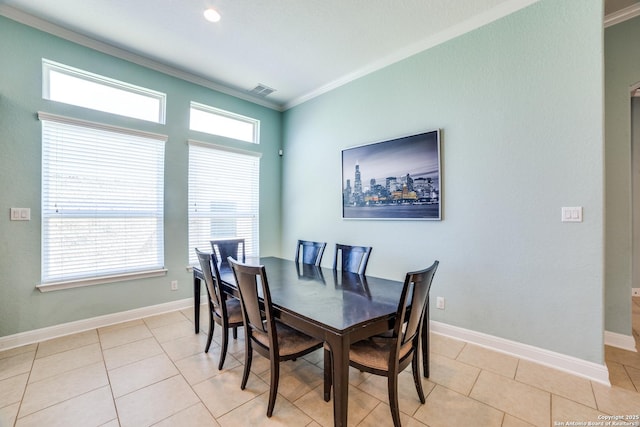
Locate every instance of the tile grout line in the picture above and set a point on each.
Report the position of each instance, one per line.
(179, 372)
(24, 392)
(189, 384)
(113, 398)
(200, 402)
(59, 402)
(535, 386)
(626, 370)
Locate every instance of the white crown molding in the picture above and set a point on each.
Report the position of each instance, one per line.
(622, 15)
(625, 342)
(469, 25)
(48, 27)
(494, 14)
(572, 365)
(43, 334)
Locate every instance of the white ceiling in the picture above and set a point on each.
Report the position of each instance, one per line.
(300, 48)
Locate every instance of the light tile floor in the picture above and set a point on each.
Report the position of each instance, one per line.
(624, 366)
(153, 371)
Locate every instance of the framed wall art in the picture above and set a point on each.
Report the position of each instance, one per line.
(395, 179)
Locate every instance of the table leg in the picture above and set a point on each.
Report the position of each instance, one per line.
(196, 301)
(340, 354)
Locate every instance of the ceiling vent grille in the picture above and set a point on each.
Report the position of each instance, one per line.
(261, 90)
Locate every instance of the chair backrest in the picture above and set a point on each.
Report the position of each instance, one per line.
(211, 274)
(311, 251)
(415, 294)
(352, 258)
(225, 248)
(258, 318)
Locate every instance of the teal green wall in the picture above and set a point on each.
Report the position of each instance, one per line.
(520, 105)
(622, 71)
(22, 307)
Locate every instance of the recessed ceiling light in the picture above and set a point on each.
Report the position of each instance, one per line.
(211, 15)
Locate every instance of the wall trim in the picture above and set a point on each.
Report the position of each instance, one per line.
(572, 365)
(55, 30)
(464, 27)
(622, 15)
(43, 334)
(625, 342)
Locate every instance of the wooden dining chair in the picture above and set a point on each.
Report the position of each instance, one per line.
(311, 252)
(225, 248)
(351, 258)
(224, 311)
(263, 333)
(389, 355)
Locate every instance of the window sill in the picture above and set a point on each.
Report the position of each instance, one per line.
(57, 286)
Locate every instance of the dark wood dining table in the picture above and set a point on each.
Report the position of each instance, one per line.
(337, 307)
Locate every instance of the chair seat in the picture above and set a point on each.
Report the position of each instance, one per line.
(290, 341)
(375, 352)
(234, 310)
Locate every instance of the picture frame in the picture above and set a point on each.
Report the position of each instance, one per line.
(394, 179)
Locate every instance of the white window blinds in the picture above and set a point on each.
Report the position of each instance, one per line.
(102, 201)
(223, 197)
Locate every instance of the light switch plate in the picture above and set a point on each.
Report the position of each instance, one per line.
(20, 214)
(572, 214)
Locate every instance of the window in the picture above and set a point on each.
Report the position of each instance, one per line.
(223, 197)
(62, 83)
(223, 123)
(102, 203)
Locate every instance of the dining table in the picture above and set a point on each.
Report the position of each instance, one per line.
(335, 306)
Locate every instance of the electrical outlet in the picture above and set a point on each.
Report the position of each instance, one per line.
(174, 285)
(440, 303)
(635, 292)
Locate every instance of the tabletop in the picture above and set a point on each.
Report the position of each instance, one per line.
(338, 300)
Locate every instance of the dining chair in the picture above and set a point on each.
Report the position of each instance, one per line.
(263, 333)
(225, 248)
(351, 258)
(311, 251)
(389, 355)
(224, 311)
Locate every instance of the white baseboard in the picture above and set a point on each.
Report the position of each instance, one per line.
(572, 365)
(625, 342)
(43, 334)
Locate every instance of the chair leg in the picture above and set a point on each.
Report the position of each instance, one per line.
(393, 398)
(275, 378)
(425, 342)
(235, 332)
(225, 344)
(327, 375)
(248, 355)
(210, 335)
(415, 367)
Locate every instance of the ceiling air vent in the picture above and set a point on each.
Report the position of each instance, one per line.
(261, 90)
